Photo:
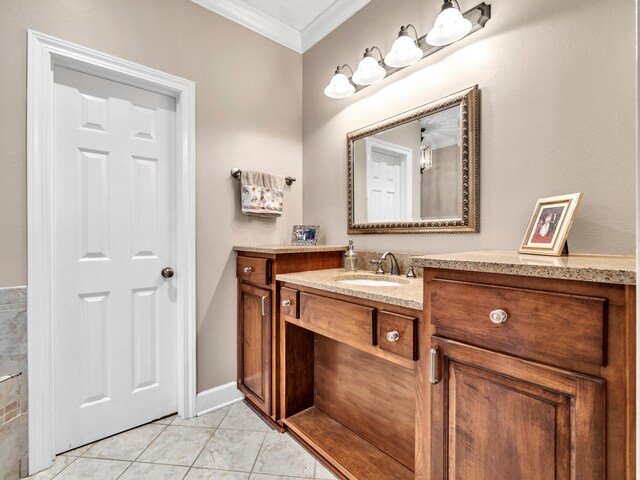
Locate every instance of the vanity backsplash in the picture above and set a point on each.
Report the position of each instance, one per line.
(404, 261)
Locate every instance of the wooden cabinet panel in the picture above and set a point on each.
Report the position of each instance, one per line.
(398, 334)
(499, 417)
(254, 334)
(553, 328)
(372, 397)
(253, 270)
(342, 319)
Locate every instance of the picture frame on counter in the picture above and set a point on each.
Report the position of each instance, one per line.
(305, 235)
(549, 225)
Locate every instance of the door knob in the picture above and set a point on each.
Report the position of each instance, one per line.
(167, 272)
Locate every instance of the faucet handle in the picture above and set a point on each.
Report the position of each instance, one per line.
(411, 273)
(379, 270)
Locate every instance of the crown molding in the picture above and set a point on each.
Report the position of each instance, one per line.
(256, 20)
(329, 20)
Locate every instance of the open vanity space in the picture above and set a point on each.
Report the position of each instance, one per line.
(490, 365)
(348, 377)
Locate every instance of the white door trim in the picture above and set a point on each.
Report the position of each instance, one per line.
(43, 52)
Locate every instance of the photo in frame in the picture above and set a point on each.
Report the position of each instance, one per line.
(550, 224)
(305, 235)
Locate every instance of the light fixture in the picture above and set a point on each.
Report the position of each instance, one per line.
(405, 50)
(426, 158)
(369, 69)
(340, 85)
(450, 26)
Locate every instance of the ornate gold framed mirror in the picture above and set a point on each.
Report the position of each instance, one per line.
(417, 172)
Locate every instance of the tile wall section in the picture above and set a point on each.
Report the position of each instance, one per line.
(13, 383)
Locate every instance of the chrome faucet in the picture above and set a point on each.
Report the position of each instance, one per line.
(395, 269)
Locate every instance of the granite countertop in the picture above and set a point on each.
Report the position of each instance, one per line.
(587, 268)
(408, 295)
(275, 249)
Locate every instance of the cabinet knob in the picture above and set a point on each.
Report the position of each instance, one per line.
(248, 269)
(286, 303)
(498, 316)
(393, 336)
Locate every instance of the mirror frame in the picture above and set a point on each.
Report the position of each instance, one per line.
(468, 100)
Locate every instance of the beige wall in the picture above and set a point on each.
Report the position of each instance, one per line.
(249, 114)
(557, 84)
(440, 194)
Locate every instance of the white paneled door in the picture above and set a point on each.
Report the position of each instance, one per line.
(114, 313)
(384, 186)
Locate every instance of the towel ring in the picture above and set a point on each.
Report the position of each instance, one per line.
(235, 173)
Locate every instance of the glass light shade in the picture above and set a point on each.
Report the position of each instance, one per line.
(339, 87)
(404, 52)
(369, 71)
(450, 26)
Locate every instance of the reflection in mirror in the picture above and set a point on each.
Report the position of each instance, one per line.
(412, 173)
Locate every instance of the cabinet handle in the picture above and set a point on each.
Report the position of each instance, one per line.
(248, 269)
(286, 303)
(433, 367)
(498, 316)
(264, 306)
(393, 336)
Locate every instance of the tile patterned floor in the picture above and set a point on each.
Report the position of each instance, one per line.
(230, 444)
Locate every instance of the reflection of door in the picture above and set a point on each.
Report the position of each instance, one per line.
(388, 181)
(114, 230)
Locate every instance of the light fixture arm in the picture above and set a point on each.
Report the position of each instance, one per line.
(346, 65)
(448, 4)
(369, 53)
(405, 31)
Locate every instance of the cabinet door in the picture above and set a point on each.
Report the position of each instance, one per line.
(254, 345)
(496, 417)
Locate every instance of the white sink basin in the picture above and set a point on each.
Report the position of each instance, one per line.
(366, 282)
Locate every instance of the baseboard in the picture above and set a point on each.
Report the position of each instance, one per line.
(217, 398)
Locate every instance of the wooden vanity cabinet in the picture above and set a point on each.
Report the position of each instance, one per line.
(497, 416)
(546, 394)
(254, 346)
(258, 321)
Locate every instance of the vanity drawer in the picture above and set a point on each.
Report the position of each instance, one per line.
(398, 334)
(289, 302)
(553, 328)
(253, 270)
(340, 320)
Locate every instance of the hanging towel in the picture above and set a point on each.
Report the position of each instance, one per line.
(261, 193)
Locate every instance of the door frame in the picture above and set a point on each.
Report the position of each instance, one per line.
(44, 52)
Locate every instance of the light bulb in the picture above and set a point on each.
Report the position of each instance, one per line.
(340, 86)
(404, 52)
(449, 27)
(369, 71)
